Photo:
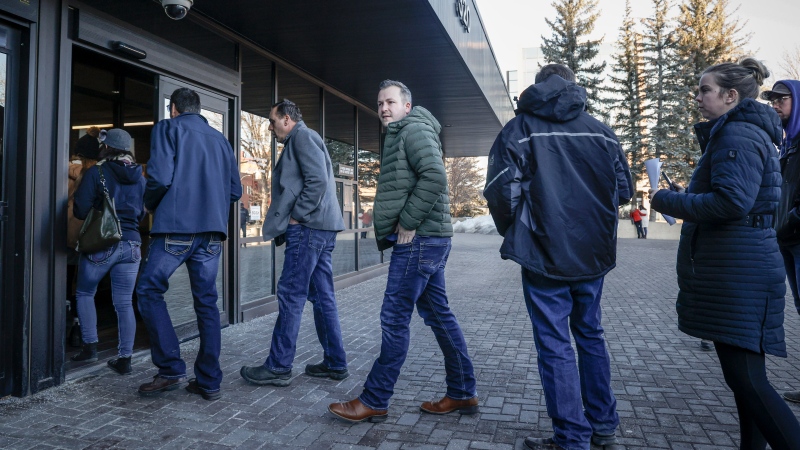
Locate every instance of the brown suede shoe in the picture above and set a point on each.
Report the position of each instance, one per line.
(159, 385)
(448, 405)
(354, 411)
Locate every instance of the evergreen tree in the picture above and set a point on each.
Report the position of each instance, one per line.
(465, 183)
(706, 35)
(627, 101)
(664, 92)
(569, 45)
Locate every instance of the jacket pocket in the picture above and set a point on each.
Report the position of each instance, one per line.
(178, 244)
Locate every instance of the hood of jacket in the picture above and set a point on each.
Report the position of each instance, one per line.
(124, 172)
(555, 99)
(749, 111)
(792, 126)
(418, 114)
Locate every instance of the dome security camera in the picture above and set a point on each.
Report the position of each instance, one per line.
(177, 9)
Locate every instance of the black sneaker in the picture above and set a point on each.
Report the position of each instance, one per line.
(88, 353)
(321, 370)
(121, 365)
(262, 376)
(193, 388)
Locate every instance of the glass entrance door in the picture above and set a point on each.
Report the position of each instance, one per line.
(215, 109)
(9, 99)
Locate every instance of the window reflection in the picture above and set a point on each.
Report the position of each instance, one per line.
(215, 119)
(255, 169)
(369, 162)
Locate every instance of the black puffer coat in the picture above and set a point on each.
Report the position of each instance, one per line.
(730, 272)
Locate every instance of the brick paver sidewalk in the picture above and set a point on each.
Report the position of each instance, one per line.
(670, 393)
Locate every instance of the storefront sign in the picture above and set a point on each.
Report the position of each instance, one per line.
(462, 11)
(346, 171)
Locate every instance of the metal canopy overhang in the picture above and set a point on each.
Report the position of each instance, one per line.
(352, 46)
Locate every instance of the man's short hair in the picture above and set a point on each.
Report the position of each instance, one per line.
(405, 92)
(185, 100)
(555, 69)
(288, 108)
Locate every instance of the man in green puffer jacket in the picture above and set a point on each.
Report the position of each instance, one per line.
(412, 214)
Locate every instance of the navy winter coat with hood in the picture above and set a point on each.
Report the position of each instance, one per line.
(126, 186)
(555, 179)
(730, 272)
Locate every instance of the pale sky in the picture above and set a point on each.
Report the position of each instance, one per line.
(515, 24)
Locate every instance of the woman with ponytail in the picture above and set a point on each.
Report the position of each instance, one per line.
(730, 270)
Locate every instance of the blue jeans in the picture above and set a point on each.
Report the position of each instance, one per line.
(307, 275)
(122, 261)
(200, 252)
(579, 398)
(416, 276)
(791, 259)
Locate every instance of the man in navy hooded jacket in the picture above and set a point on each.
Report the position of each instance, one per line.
(555, 179)
(192, 181)
(787, 223)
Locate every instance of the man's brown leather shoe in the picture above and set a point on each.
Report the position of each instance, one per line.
(448, 405)
(159, 385)
(354, 411)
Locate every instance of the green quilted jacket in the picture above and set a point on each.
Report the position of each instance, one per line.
(412, 187)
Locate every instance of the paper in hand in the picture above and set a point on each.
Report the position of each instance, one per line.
(653, 167)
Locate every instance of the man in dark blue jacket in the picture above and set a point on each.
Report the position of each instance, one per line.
(787, 225)
(192, 181)
(555, 179)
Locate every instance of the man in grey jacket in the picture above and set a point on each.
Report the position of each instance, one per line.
(304, 214)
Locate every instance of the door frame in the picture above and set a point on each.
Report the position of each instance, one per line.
(10, 40)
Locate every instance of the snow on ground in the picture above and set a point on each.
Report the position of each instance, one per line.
(479, 225)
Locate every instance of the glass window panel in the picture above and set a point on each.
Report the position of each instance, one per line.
(255, 271)
(215, 119)
(3, 88)
(339, 138)
(180, 303)
(368, 254)
(255, 169)
(94, 78)
(304, 94)
(344, 254)
(368, 166)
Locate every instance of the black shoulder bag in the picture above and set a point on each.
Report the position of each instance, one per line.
(102, 228)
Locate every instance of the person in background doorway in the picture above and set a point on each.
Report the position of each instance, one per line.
(563, 267)
(117, 172)
(412, 216)
(193, 179)
(243, 216)
(645, 220)
(305, 215)
(781, 97)
(730, 271)
(366, 222)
